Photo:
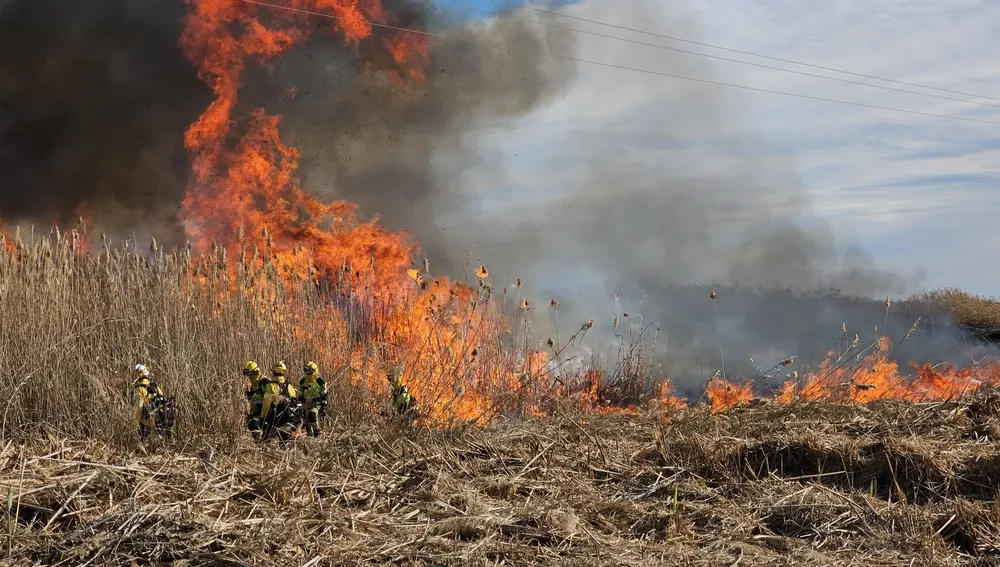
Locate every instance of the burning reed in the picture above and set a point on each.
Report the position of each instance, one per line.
(81, 313)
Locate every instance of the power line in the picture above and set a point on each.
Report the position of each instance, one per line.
(731, 60)
(760, 90)
(638, 70)
(751, 53)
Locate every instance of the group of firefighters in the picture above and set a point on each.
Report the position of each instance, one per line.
(277, 408)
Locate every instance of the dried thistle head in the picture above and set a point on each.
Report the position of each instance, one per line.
(554, 304)
(482, 272)
(713, 295)
(517, 283)
(524, 303)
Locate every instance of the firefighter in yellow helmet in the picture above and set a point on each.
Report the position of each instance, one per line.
(313, 390)
(153, 410)
(404, 404)
(255, 395)
(281, 411)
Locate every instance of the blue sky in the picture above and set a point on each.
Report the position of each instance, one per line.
(478, 9)
(917, 192)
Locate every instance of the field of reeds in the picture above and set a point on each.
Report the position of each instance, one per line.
(520, 467)
(78, 318)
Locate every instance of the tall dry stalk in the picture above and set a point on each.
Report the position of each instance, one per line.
(77, 319)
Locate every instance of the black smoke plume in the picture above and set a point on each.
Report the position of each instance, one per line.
(94, 100)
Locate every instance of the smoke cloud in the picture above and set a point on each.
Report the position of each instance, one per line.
(694, 209)
(95, 98)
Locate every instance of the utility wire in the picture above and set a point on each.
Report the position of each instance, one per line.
(770, 91)
(751, 53)
(638, 70)
(740, 61)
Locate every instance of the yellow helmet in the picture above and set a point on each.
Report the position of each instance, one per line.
(250, 368)
(310, 368)
(395, 375)
(280, 369)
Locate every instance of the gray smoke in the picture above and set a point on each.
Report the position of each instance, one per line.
(698, 208)
(380, 147)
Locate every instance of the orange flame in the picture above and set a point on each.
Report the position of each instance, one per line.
(863, 379)
(244, 194)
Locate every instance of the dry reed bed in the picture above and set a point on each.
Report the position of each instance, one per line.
(758, 485)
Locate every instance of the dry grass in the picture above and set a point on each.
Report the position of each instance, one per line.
(75, 323)
(888, 483)
(981, 314)
(883, 484)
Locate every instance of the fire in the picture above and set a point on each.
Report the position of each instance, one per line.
(246, 195)
(246, 205)
(725, 395)
(864, 379)
(253, 184)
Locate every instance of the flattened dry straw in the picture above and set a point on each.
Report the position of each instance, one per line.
(884, 484)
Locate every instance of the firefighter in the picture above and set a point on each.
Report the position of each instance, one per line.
(280, 412)
(153, 410)
(404, 404)
(313, 391)
(255, 395)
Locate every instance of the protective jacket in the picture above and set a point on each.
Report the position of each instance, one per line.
(274, 391)
(146, 391)
(313, 393)
(154, 411)
(403, 401)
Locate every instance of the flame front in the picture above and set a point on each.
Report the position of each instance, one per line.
(245, 195)
(253, 184)
(863, 378)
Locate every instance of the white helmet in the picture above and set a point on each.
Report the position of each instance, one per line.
(140, 370)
